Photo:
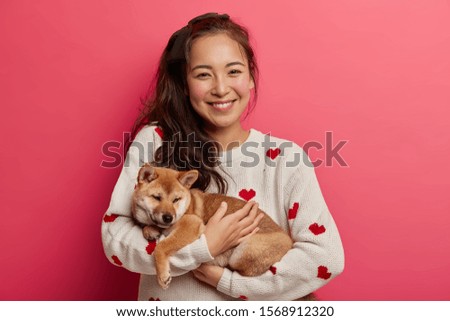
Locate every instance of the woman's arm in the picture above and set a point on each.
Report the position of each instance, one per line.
(317, 255)
(122, 239)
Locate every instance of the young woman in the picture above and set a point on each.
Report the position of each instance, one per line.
(206, 81)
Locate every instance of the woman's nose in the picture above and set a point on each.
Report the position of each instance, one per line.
(220, 87)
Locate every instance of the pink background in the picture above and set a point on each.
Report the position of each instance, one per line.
(375, 73)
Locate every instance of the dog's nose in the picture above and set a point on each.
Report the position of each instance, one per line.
(167, 218)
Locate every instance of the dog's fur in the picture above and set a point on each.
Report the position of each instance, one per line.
(164, 203)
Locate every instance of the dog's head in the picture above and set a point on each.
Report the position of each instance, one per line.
(162, 195)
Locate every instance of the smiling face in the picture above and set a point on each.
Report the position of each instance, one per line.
(219, 82)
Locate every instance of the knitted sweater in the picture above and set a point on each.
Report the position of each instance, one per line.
(274, 172)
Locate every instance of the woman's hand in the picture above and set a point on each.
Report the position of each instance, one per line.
(209, 274)
(225, 232)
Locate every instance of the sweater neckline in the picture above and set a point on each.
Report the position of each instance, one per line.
(236, 153)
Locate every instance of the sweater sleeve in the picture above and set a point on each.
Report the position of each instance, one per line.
(317, 255)
(123, 242)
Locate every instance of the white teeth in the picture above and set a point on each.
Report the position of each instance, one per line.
(222, 105)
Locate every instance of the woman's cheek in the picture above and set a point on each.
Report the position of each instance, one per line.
(197, 89)
(243, 85)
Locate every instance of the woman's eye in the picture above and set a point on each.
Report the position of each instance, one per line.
(202, 75)
(157, 197)
(235, 72)
(176, 199)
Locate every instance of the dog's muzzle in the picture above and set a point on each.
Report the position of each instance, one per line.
(166, 220)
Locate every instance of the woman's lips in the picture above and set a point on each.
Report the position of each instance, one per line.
(222, 105)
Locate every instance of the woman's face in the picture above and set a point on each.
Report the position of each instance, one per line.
(219, 81)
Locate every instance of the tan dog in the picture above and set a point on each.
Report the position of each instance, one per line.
(164, 203)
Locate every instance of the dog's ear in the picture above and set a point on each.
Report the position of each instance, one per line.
(188, 178)
(146, 174)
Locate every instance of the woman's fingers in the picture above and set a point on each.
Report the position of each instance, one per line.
(244, 211)
(209, 274)
(242, 239)
(252, 225)
(226, 231)
(249, 224)
(220, 213)
(251, 215)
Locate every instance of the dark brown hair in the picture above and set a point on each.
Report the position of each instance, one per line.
(185, 143)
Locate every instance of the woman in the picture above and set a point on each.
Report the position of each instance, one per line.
(205, 82)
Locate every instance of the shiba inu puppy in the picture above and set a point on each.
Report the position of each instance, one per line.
(164, 203)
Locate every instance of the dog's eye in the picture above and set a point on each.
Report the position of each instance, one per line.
(157, 197)
(176, 199)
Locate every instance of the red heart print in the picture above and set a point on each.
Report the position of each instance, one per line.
(273, 269)
(243, 297)
(150, 247)
(322, 272)
(159, 132)
(247, 194)
(273, 153)
(110, 218)
(116, 260)
(293, 211)
(316, 229)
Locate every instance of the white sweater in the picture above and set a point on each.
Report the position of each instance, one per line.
(274, 172)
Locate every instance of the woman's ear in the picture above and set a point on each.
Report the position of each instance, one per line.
(252, 83)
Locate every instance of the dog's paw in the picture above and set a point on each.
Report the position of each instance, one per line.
(164, 280)
(150, 233)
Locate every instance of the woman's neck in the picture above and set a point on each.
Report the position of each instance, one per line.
(229, 139)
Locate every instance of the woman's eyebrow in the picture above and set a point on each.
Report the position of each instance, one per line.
(201, 67)
(210, 67)
(234, 63)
